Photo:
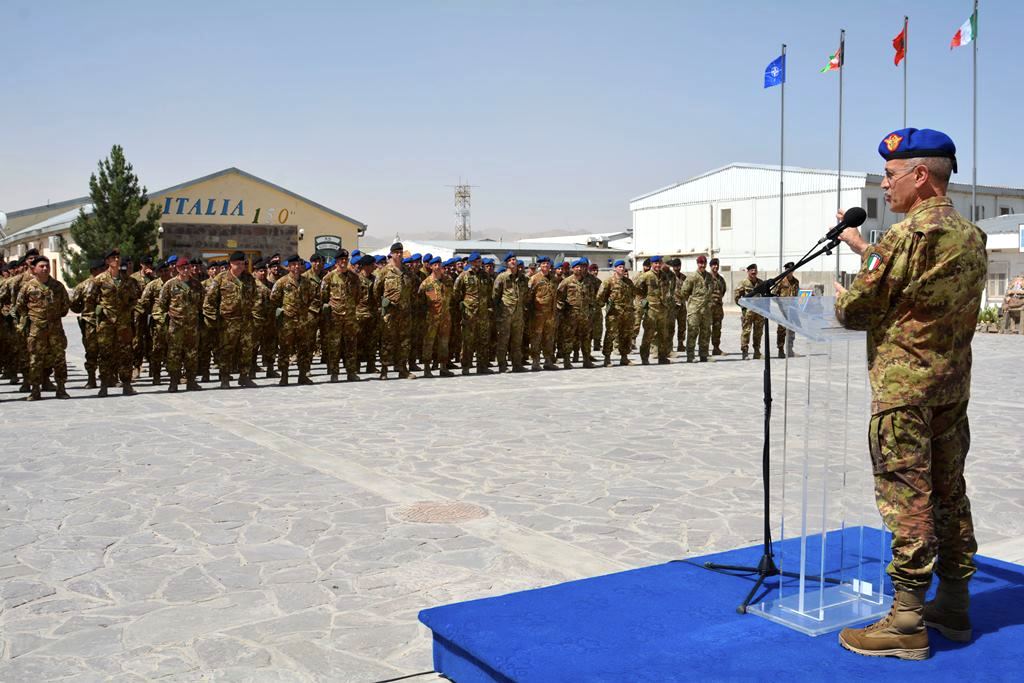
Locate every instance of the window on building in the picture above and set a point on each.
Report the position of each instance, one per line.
(1005, 211)
(872, 207)
(726, 221)
(998, 275)
(979, 212)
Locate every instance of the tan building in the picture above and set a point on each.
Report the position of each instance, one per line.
(207, 217)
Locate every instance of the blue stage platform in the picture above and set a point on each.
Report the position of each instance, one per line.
(677, 622)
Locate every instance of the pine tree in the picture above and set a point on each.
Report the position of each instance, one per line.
(116, 219)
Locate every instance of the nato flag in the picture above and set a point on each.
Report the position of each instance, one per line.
(775, 73)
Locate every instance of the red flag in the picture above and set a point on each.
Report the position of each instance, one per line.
(899, 43)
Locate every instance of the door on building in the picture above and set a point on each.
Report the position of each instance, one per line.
(251, 255)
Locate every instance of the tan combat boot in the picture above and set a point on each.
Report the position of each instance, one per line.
(948, 612)
(901, 633)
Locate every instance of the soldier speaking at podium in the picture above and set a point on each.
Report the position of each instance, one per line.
(917, 295)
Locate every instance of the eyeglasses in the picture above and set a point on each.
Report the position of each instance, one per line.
(891, 177)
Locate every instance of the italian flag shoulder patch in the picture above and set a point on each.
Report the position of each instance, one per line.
(874, 262)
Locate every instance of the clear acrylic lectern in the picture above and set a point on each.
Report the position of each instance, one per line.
(831, 545)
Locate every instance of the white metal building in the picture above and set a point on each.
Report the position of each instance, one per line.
(1005, 247)
(733, 213)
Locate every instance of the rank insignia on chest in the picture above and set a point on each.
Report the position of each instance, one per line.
(874, 262)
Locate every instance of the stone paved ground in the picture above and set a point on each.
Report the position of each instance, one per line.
(261, 535)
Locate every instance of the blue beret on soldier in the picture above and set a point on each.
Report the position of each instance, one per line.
(380, 259)
(507, 256)
(500, 269)
(407, 259)
(172, 259)
(488, 261)
(435, 259)
(541, 259)
(655, 258)
(427, 258)
(618, 263)
(416, 257)
(474, 256)
(911, 143)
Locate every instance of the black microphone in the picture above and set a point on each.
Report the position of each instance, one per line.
(853, 218)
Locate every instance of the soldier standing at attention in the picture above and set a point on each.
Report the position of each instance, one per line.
(318, 324)
(749, 321)
(393, 288)
(616, 294)
(153, 343)
(142, 341)
(639, 309)
(436, 290)
(87, 321)
(207, 332)
(231, 308)
(918, 294)
(789, 286)
(541, 294)
(696, 294)
(679, 303)
(574, 302)
(472, 291)
(41, 304)
(339, 292)
(417, 311)
(177, 311)
(266, 332)
(718, 289)
(511, 291)
(366, 314)
(112, 299)
(652, 288)
(596, 313)
(294, 297)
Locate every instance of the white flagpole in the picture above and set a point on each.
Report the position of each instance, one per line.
(782, 152)
(974, 165)
(906, 52)
(839, 176)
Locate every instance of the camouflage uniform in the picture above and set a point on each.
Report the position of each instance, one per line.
(7, 334)
(207, 334)
(19, 352)
(366, 317)
(749, 321)
(317, 328)
(575, 303)
(266, 330)
(437, 292)
(113, 299)
(418, 317)
(87, 326)
(541, 296)
(296, 306)
(918, 294)
(789, 286)
(653, 291)
(616, 295)
(696, 293)
(393, 289)
(339, 294)
(154, 340)
(596, 314)
(718, 289)
(177, 312)
(1013, 306)
(40, 307)
(142, 342)
(231, 308)
(472, 291)
(510, 295)
(681, 312)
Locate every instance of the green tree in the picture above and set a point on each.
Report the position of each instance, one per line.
(116, 219)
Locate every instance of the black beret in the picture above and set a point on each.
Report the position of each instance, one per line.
(342, 253)
(397, 246)
(236, 256)
(196, 261)
(112, 253)
(36, 260)
(317, 256)
(125, 262)
(146, 260)
(32, 252)
(259, 264)
(752, 266)
(365, 260)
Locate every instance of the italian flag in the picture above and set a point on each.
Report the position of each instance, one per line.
(967, 32)
(835, 61)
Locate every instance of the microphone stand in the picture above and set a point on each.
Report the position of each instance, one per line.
(766, 567)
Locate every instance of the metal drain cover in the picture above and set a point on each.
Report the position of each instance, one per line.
(433, 512)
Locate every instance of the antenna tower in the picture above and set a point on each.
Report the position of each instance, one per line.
(463, 200)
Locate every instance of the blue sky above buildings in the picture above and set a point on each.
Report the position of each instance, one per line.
(560, 111)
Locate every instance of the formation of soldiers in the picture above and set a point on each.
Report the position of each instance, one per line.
(362, 313)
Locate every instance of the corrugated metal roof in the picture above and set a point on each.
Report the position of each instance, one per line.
(494, 245)
(1000, 224)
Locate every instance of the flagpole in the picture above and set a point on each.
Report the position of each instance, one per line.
(906, 51)
(974, 165)
(782, 167)
(839, 176)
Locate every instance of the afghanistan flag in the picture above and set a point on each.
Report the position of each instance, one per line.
(899, 43)
(835, 61)
(968, 32)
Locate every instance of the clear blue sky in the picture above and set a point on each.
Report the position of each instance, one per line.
(560, 111)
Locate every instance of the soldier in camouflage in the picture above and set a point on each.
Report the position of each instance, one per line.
(112, 298)
(367, 314)
(42, 303)
(918, 294)
(616, 297)
(393, 289)
(87, 321)
(750, 322)
(339, 296)
(596, 314)
(297, 309)
(152, 343)
(142, 341)
(436, 291)
(718, 289)
(575, 303)
(472, 291)
(652, 287)
(677, 322)
(696, 295)
(177, 312)
(541, 295)
(266, 331)
(789, 286)
(231, 308)
(511, 291)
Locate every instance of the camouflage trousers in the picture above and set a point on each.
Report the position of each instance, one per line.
(917, 455)
(417, 325)
(698, 333)
(656, 332)
(115, 352)
(597, 326)
(436, 334)
(575, 334)
(367, 343)
(207, 340)
(639, 317)
(235, 346)
(784, 339)
(394, 337)
(295, 337)
(46, 349)
(92, 349)
(509, 344)
(182, 349)
(142, 341)
(266, 348)
(717, 315)
(341, 342)
(619, 332)
(682, 326)
(751, 322)
(476, 339)
(542, 335)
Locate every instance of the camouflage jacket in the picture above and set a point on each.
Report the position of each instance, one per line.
(696, 292)
(142, 279)
(263, 305)
(366, 304)
(78, 297)
(617, 292)
(744, 289)
(510, 294)
(718, 289)
(472, 290)
(42, 305)
(231, 298)
(180, 301)
(395, 285)
(789, 286)
(574, 296)
(112, 299)
(917, 295)
(542, 292)
(594, 283)
(339, 293)
(654, 289)
(150, 293)
(295, 296)
(437, 292)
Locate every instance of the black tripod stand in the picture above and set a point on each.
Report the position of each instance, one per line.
(766, 566)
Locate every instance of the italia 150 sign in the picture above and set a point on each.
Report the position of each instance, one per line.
(190, 206)
(328, 245)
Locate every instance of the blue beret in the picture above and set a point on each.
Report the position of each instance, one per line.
(407, 259)
(584, 259)
(618, 263)
(501, 269)
(172, 259)
(416, 257)
(520, 262)
(542, 259)
(474, 256)
(308, 265)
(467, 267)
(577, 262)
(434, 259)
(655, 258)
(488, 261)
(507, 256)
(330, 264)
(910, 143)
(380, 258)
(356, 254)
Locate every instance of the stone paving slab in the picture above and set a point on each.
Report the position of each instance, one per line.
(263, 534)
